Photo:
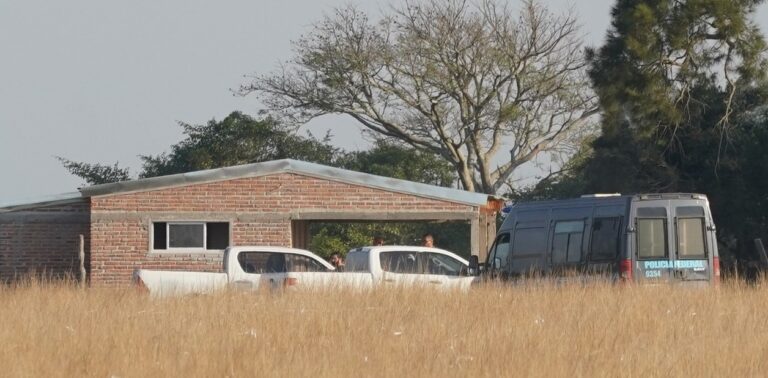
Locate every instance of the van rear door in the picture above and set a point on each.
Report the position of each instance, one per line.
(652, 242)
(671, 242)
(692, 255)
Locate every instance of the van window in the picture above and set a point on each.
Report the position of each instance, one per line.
(497, 259)
(651, 238)
(690, 238)
(399, 262)
(566, 242)
(357, 262)
(529, 241)
(606, 239)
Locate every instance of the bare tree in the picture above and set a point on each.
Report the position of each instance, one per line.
(471, 82)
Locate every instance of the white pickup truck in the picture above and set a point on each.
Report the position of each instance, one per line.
(245, 268)
(263, 267)
(410, 265)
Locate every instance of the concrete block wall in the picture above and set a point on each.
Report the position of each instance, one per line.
(43, 241)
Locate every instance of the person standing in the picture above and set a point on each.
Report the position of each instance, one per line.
(337, 261)
(428, 240)
(378, 240)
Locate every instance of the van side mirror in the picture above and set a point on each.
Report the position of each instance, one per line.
(474, 265)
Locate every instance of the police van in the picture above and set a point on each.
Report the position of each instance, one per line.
(647, 237)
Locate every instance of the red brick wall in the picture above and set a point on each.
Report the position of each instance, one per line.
(122, 246)
(43, 241)
(121, 226)
(275, 193)
(262, 233)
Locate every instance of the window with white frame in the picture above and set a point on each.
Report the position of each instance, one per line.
(190, 235)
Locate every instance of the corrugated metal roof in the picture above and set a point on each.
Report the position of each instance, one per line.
(288, 166)
(40, 201)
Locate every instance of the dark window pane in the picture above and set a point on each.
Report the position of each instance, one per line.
(566, 242)
(559, 248)
(652, 212)
(690, 237)
(217, 235)
(160, 239)
(301, 263)
(569, 227)
(498, 257)
(356, 262)
(530, 241)
(574, 247)
(253, 262)
(399, 262)
(275, 263)
(606, 238)
(185, 235)
(262, 262)
(437, 263)
(690, 211)
(651, 238)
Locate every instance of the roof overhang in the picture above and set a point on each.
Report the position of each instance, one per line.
(289, 166)
(57, 199)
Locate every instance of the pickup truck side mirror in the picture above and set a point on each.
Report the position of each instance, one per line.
(474, 266)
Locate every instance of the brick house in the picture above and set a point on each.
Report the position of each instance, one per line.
(185, 221)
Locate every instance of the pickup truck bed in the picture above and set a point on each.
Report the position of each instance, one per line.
(167, 283)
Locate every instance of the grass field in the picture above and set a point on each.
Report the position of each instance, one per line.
(534, 330)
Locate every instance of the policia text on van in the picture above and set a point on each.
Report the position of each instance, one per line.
(656, 237)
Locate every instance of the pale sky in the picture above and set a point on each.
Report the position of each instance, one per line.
(106, 81)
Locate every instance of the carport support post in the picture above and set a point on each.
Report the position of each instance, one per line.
(474, 237)
(82, 261)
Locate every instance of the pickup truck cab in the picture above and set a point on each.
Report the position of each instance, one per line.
(245, 268)
(409, 266)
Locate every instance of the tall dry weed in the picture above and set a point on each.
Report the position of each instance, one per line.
(536, 329)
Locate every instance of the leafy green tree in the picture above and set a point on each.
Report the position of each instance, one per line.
(567, 182)
(738, 196)
(676, 79)
(237, 139)
(329, 238)
(95, 174)
(475, 83)
(668, 77)
(387, 158)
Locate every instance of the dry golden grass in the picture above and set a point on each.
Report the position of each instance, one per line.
(533, 330)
